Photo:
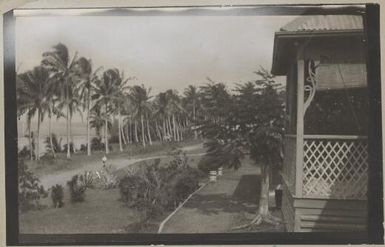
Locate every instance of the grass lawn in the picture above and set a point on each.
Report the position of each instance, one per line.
(101, 212)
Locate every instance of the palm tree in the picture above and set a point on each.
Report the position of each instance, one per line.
(107, 91)
(174, 108)
(86, 88)
(140, 97)
(36, 95)
(119, 103)
(161, 111)
(192, 96)
(65, 71)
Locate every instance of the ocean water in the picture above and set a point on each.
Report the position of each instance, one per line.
(77, 140)
(78, 131)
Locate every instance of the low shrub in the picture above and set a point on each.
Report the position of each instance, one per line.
(30, 190)
(25, 153)
(106, 177)
(155, 189)
(78, 186)
(98, 145)
(56, 144)
(64, 150)
(57, 195)
(83, 148)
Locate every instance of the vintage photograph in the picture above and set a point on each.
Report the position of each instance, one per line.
(183, 120)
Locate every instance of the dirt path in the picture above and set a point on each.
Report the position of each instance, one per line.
(118, 162)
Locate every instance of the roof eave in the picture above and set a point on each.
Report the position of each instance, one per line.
(282, 37)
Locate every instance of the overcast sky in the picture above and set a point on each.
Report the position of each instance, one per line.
(163, 52)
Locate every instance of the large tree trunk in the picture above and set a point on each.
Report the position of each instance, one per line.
(142, 130)
(50, 137)
(106, 131)
(38, 136)
(68, 131)
(120, 133)
(148, 131)
(263, 207)
(88, 125)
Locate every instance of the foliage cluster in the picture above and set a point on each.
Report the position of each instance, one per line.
(78, 186)
(155, 189)
(57, 195)
(106, 177)
(30, 190)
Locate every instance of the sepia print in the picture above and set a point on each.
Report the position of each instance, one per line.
(191, 123)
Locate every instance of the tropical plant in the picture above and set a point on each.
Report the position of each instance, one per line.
(36, 95)
(66, 72)
(88, 81)
(78, 186)
(107, 91)
(57, 195)
(53, 144)
(29, 190)
(192, 103)
(140, 96)
(253, 124)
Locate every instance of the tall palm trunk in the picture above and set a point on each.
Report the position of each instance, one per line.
(194, 118)
(88, 125)
(30, 138)
(164, 128)
(169, 126)
(158, 131)
(142, 130)
(129, 130)
(71, 137)
(68, 131)
(174, 126)
(38, 135)
(50, 137)
(106, 130)
(136, 132)
(148, 131)
(124, 138)
(181, 128)
(120, 133)
(177, 127)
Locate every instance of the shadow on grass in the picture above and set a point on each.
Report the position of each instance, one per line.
(244, 198)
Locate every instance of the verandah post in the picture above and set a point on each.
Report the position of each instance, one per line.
(300, 123)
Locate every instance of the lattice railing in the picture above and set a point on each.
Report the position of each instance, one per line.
(289, 161)
(335, 167)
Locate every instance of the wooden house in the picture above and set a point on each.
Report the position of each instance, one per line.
(325, 168)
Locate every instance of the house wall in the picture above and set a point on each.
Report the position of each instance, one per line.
(323, 215)
(341, 62)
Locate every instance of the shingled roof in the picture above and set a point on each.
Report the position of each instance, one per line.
(324, 23)
(311, 27)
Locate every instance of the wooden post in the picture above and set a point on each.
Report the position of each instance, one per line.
(300, 123)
